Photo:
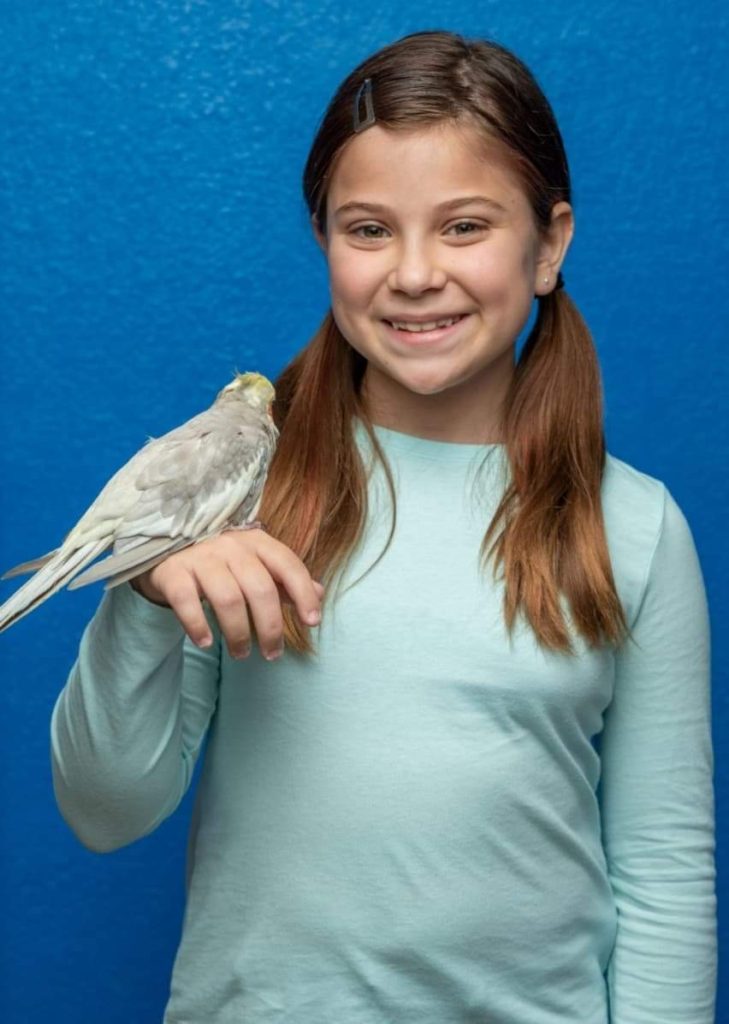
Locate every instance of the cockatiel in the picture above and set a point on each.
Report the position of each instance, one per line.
(192, 483)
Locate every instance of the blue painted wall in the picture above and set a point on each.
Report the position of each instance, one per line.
(153, 238)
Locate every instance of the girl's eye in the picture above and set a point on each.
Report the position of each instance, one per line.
(368, 227)
(468, 224)
(462, 228)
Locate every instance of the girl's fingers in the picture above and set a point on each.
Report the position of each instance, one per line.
(244, 576)
(264, 604)
(290, 573)
(179, 588)
(221, 590)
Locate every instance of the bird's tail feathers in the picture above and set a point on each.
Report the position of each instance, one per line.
(31, 566)
(118, 568)
(53, 575)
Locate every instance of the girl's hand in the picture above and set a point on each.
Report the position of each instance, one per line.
(237, 572)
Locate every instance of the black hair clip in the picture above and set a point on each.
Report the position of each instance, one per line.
(359, 124)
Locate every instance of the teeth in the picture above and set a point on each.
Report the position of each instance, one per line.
(401, 325)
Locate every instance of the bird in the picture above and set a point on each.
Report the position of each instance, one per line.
(193, 482)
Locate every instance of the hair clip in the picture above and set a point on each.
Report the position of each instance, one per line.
(359, 124)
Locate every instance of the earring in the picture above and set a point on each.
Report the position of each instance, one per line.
(546, 280)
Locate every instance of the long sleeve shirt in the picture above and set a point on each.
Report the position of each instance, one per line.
(428, 820)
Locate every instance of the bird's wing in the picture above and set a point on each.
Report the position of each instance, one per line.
(121, 492)
(177, 489)
(110, 504)
(193, 489)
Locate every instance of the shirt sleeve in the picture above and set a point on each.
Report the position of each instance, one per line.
(127, 728)
(657, 798)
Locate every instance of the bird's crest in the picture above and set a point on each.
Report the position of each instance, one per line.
(254, 385)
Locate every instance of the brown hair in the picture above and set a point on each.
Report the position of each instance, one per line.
(551, 534)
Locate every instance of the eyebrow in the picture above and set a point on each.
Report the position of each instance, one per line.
(449, 204)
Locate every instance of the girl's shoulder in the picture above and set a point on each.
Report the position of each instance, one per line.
(638, 511)
(629, 494)
(633, 505)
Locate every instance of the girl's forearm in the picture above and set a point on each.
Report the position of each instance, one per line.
(123, 738)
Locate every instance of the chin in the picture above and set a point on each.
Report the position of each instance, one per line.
(427, 387)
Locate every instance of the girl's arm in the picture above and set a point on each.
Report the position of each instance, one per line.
(657, 797)
(127, 727)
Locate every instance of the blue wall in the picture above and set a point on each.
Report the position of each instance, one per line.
(154, 238)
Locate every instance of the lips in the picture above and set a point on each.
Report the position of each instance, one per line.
(433, 321)
(420, 336)
(408, 324)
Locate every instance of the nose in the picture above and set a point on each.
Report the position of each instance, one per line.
(416, 269)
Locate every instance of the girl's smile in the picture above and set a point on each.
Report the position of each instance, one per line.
(419, 332)
(423, 227)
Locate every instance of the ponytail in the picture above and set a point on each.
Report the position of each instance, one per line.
(315, 499)
(553, 534)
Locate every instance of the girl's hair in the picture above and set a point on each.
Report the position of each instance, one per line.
(551, 534)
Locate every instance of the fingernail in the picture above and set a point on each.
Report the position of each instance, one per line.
(206, 641)
(313, 618)
(273, 655)
(241, 653)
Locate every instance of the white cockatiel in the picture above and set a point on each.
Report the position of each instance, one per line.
(199, 479)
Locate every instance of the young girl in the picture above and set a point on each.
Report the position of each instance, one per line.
(475, 781)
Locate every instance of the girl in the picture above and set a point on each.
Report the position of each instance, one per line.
(474, 782)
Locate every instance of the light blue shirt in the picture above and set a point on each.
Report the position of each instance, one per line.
(427, 822)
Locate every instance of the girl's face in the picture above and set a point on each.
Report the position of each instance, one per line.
(420, 227)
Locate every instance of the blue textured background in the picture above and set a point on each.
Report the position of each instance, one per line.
(154, 238)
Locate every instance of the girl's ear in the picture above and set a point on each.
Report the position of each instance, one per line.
(321, 240)
(553, 247)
